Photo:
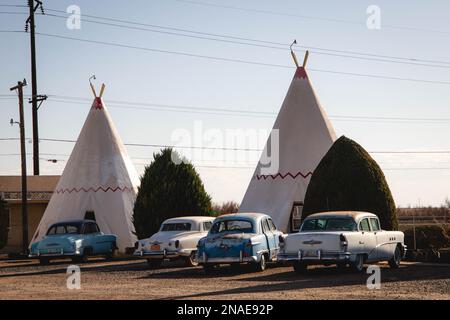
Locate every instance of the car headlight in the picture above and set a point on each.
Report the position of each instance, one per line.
(78, 244)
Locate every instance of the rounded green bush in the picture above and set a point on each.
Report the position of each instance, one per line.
(168, 190)
(348, 178)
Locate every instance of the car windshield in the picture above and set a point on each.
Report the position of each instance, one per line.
(232, 225)
(67, 228)
(329, 224)
(183, 226)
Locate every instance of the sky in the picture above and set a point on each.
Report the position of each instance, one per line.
(166, 80)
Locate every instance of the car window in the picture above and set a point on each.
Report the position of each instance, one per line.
(180, 226)
(364, 225)
(329, 224)
(272, 225)
(232, 225)
(375, 224)
(71, 229)
(265, 226)
(60, 230)
(88, 228)
(207, 225)
(64, 229)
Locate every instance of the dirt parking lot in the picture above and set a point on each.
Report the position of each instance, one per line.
(131, 279)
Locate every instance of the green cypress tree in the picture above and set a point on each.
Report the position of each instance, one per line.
(168, 190)
(4, 223)
(348, 178)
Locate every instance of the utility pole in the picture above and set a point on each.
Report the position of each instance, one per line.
(21, 123)
(33, 6)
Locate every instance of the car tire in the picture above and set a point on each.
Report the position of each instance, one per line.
(262, 264)
(394, 263)
(44, 261)
(154, 263)
(190, 261)
(110, 255)
(300, 267)
(358, 264)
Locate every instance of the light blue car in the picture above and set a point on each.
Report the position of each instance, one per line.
(250, 238)
(75, 239)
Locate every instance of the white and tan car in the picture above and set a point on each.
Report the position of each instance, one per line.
(176, 239)
(343, 238)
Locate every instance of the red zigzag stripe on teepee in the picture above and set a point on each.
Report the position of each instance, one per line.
(279, 175)
(94, 189)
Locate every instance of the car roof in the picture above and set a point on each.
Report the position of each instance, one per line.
(190, 218)
(351, 214)
(254, 215)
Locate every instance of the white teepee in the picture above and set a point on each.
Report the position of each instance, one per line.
(99, 179)
(305, 135)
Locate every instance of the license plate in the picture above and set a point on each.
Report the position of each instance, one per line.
(155, 247)
(311, 254)
(51, 251)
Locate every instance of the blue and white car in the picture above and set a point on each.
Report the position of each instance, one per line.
(75, 239)
(250, 238)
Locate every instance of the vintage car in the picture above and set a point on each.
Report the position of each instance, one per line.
(176, 239)
(239, 238)
(75, 239)
(342, 238)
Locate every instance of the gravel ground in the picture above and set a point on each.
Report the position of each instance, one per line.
(131, 279)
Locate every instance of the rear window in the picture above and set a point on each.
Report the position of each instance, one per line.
(64, 229)
(207, 225)
(232, 225)
(185, 226)
(329, 224)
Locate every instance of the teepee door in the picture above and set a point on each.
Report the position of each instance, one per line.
(296, 216)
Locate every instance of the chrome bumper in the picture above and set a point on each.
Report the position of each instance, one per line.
(204, 259)
(321, 256)
(54, 254)
(161, 254)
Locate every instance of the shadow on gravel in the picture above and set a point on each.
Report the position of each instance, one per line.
(322, 277)
(61, 267)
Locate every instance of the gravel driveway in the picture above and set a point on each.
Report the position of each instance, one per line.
(131, 279)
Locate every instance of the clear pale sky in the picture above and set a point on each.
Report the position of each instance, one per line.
(414, 29)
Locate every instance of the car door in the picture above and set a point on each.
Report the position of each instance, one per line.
(267, 235)
(382, 247)
(276, 237)
(272, 237)
(367, 241)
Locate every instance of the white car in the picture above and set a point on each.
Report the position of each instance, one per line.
(343, 238)
(176, 239)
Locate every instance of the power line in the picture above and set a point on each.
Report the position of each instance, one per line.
(239, 60)
(228, 111)
(285, 48)
(279, 45)
(308, 17)
(213, 166)
(13, 5)
(233, 149)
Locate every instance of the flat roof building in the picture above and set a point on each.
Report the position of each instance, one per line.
(40, 190)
